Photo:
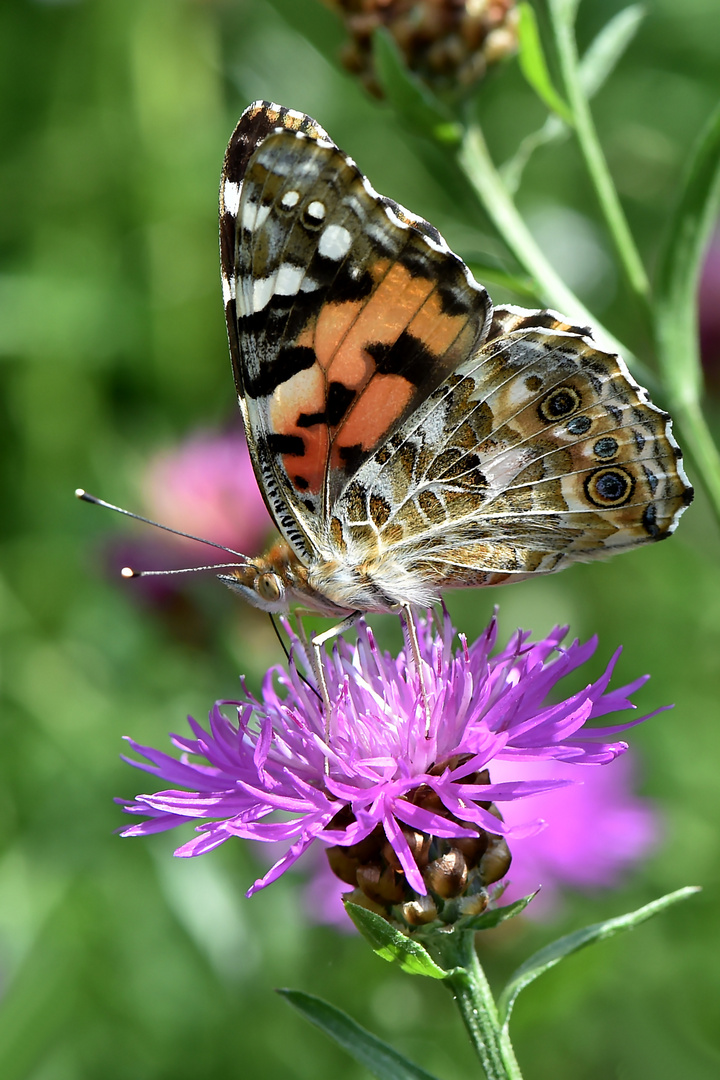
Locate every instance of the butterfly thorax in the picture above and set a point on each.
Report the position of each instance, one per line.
(380, 583)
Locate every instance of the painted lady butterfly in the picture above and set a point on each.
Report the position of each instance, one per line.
(407, 436)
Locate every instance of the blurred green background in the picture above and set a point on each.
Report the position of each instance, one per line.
(117, 961)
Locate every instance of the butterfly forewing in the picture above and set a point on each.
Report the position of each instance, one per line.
(345, 314)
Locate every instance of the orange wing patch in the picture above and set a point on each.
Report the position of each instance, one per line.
(371, 355)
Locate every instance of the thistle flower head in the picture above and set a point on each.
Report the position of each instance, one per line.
(406, 807)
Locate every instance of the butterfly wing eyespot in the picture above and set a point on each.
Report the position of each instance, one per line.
(610, 487)
(541, 450)
(559, 403)
(406, 435)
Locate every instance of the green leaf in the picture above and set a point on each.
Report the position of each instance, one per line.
(676, 312)
(495, 275)
(552, 954)
(392, 945)
(606, 49)
(596, 66)
(681, 262)
(376, 1056)
(409, 96)
(489, 919)
(565, 10)
(534, 66)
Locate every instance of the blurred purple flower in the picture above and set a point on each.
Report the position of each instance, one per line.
(379, 771)
(597, 828)
(206, 486)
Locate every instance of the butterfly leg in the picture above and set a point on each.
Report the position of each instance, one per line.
(417, 661)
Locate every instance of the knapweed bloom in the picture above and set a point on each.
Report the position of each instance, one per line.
(449, 43)
(396, 784)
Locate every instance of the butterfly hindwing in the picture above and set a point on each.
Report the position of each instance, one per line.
(344, 313)
(538, 451)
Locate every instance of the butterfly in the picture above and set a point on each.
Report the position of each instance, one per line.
(409, 437)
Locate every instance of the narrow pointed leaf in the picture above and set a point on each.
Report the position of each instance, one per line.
(494, 275)
(552, 954)
(372, 1053)
(607, 47)
(410, 97)
(534, 66)
(393, 946)
(596, 66)
(495, 916)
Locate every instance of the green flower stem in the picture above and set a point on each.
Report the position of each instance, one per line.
(467, 983)
(594, 158)
(477, 165)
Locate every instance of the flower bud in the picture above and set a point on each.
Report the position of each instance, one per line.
(447, 43)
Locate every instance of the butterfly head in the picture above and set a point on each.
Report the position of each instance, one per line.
(259, 585)
(278, 580)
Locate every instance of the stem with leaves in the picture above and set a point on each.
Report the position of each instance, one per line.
(561, 16)
(447, 954)
(673, 309)
(477, 165)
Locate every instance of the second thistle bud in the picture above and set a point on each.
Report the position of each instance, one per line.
(448, 43)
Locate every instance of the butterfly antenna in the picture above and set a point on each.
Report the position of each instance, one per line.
(128, 572)
(87, 497)
(279, 636)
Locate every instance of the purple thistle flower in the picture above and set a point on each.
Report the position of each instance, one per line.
(404, 811)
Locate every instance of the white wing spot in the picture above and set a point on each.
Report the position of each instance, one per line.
(253, 216)
(263, 290)
(288, 280)
(228, 289)
(290, 199)
(335, 241)
(316, 209)
(231, 197)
